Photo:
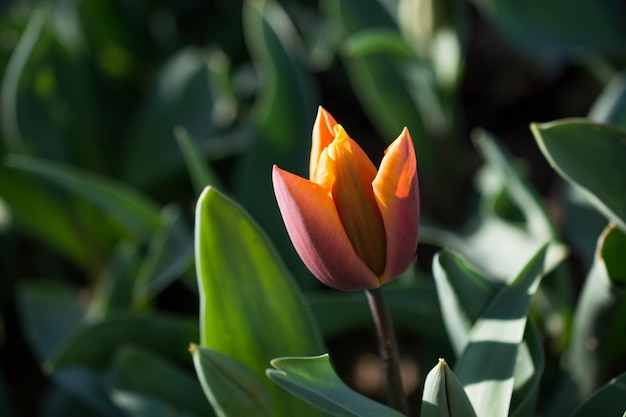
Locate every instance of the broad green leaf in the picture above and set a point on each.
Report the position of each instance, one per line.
(137, 371)
(93, 345)
(463, 296)
(199, 170)
(554, 28)
(132, 209)
(596, 340)
(610, 106)
(590, 156)
(314, 380)
(487, 366)
(233, 389)
(250, 309)
(607, 401)
(282, 118)
(444, 395)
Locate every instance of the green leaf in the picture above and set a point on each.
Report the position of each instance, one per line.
(55, 226)
(233, 389)
(141, 372)
(610, 106)
(88, 387)
(133, 210)
(314, 380)
(250, 309)
(199, 170)
(590, 156)
(463, 295)
(182, 95)
(50, 312)
(142, 405)
(378, 79)
(114, 290)
(500, 184)
(554, 28)
(282, 118)
(528, 373)
(169, 255)
(596, 340)
(93, 345)
(444, 395)
(32, 36)
(487, 366)
(607, 401)
(378, 40)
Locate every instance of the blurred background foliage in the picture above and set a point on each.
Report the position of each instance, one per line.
(115, 115)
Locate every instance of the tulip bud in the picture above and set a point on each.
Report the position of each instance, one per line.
(354, 227)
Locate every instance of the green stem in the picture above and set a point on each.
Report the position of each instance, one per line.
(388, 347)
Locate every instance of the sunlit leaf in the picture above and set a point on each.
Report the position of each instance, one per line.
(487, 366)
(463, 295)
(314, 380)
(250, 308)
(444, 395)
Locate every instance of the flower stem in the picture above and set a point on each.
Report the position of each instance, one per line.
(388, 347)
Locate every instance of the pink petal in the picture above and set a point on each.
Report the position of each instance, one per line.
(317, 234)
(397, 194)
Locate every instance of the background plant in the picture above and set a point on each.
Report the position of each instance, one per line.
(115, 116)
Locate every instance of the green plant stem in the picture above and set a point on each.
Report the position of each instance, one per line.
(388, 347)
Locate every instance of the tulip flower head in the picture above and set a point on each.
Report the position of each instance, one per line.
(354, 227)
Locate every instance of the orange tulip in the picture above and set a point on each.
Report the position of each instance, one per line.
(353, 226)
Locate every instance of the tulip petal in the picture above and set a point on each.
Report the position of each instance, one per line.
(352, 193)
(317, 234)
(323, 135)
(397, 194)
